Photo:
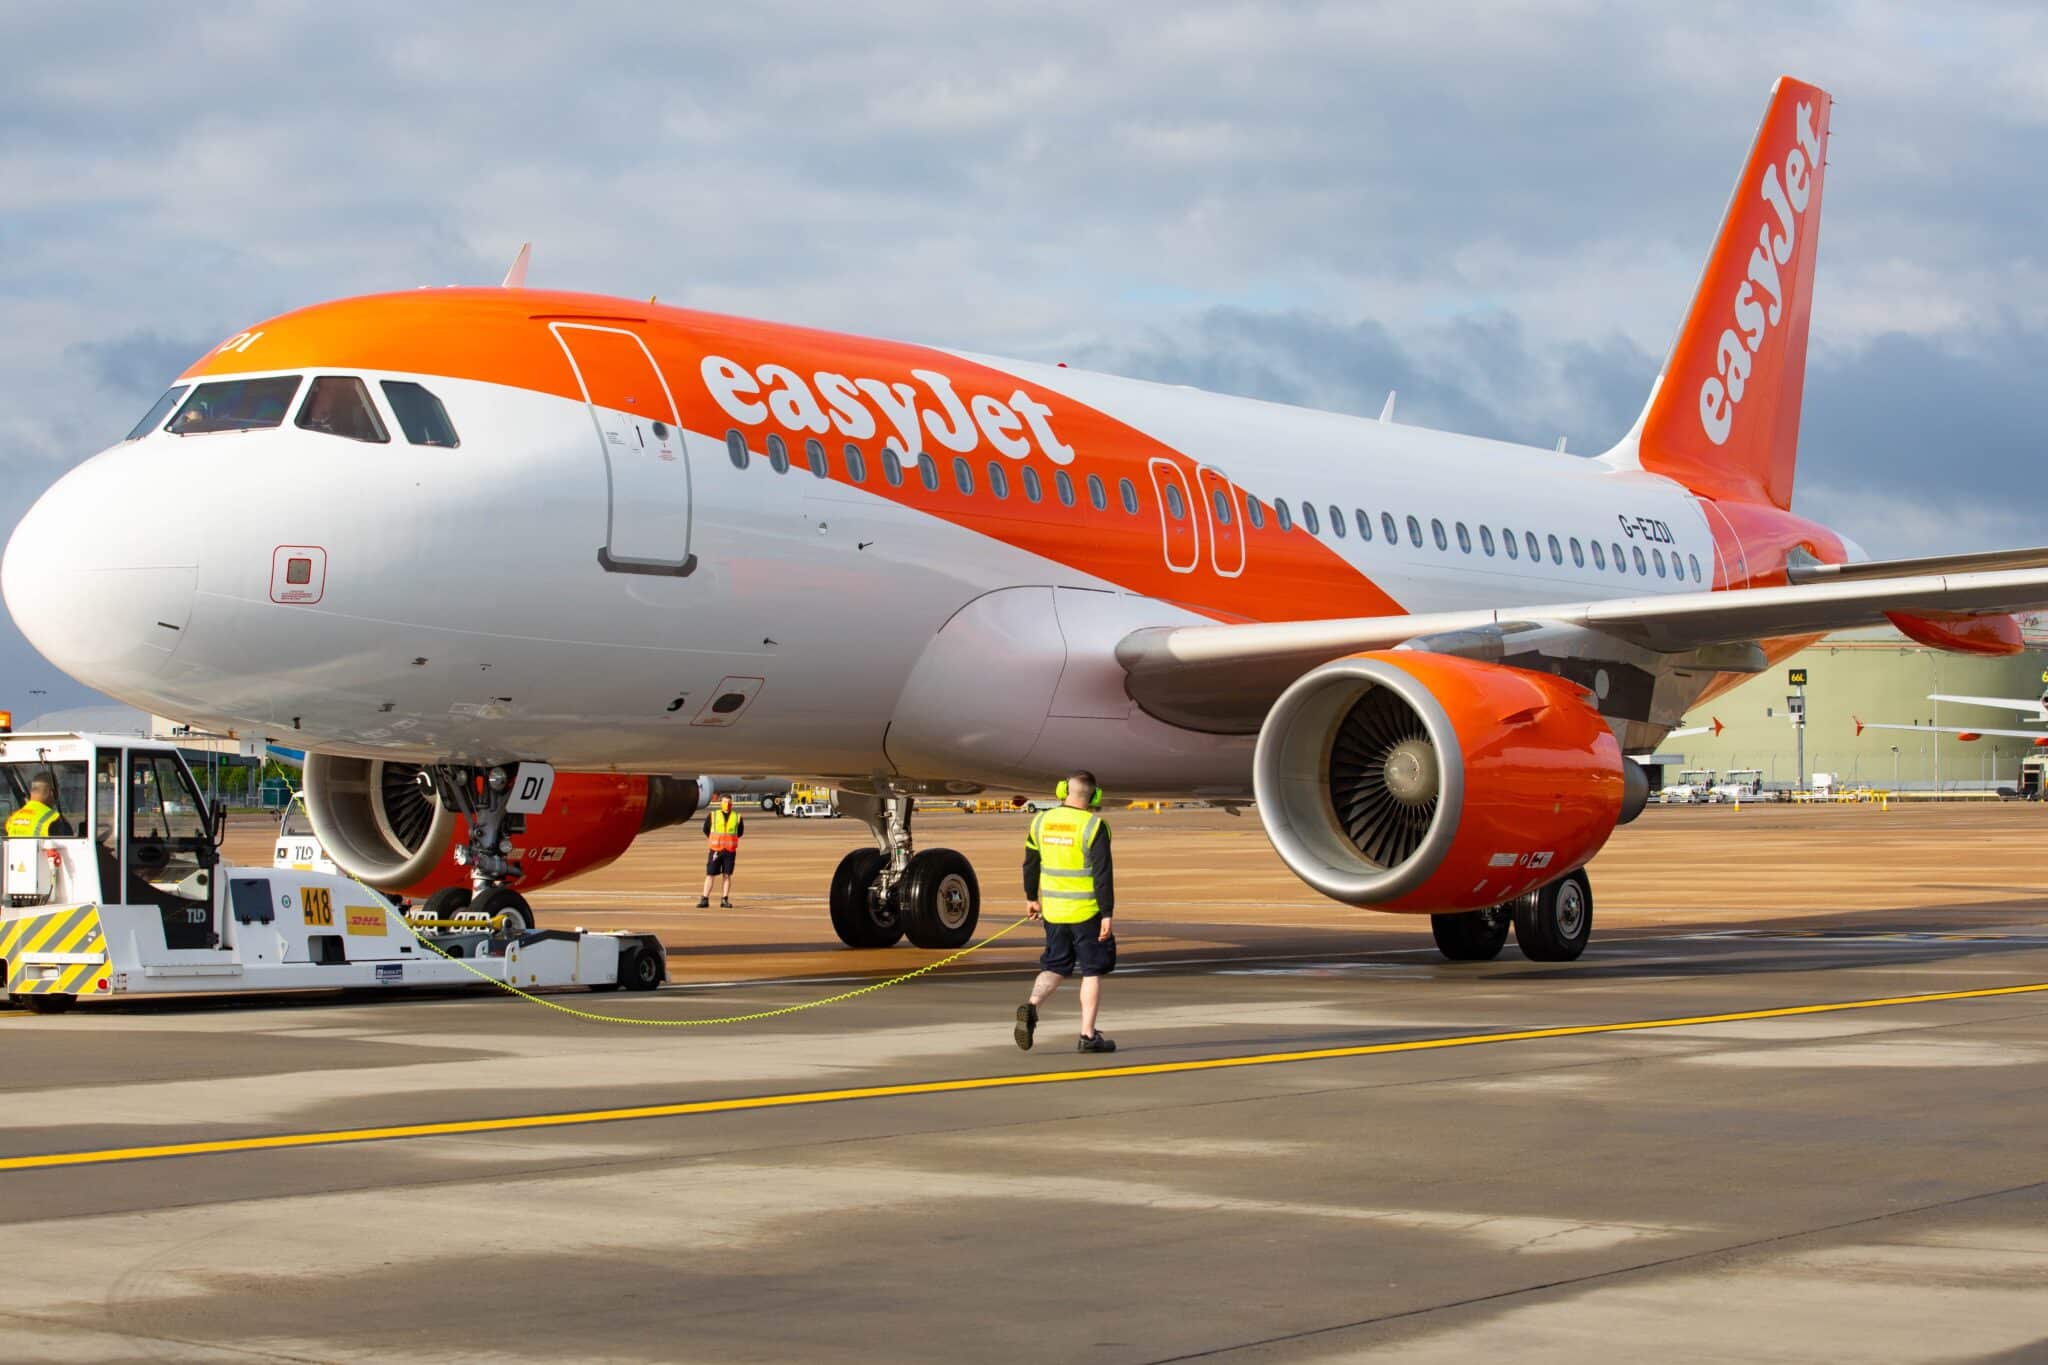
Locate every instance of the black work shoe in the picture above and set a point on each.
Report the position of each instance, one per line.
(1027, 1025)
(725, 902)
(1095, 1043)
(703, 902)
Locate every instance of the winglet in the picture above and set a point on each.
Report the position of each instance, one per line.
(515, 278)
(1723, 418)
(1859, 725)
(1718, 727)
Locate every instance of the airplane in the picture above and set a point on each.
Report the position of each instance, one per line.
(530, 533)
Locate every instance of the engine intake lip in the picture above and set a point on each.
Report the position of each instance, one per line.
(1291, 777)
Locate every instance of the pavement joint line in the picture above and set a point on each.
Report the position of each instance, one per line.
(794, 1099)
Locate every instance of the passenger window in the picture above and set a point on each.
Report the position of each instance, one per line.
(1309, 521)
(1098, 496)
(1032, 488)
(1486, 540)
(736, 449)
(856, 464)
(1387, 525)
(420, 414)
(1657, 558)
(1578, 554)
(1337, 520)
(815, 450)
(1641, 568)
(892, 466)
(1556, 550)
(1464, 538)
(1508, 542)
(778, 455)
(1129, 495)
(963, 477)
(1620, 563)
(1599, 557)
(1364, 523)
(236, 405)
(158, 410)
(1282, 518)
(928, 472)
(1064, 486)
(1175, 508)
(1256, 510)
(1535, 550)
(1694, 560)
(1436, 531)
(998, 481)
(1415, 533)
(1222, 505)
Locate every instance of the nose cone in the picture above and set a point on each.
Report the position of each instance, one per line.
(98, 576)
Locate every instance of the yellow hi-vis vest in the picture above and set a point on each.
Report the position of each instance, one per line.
(723, 827)
(32, 821)
(1066, 887)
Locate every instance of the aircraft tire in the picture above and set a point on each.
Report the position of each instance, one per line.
(444, 903)
(1475, 936)
(503, 900)
(856, 918)
(1554, 922)
(940, 899)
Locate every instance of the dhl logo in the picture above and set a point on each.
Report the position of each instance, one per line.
(366, 919)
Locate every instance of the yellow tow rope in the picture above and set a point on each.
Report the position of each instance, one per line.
(573, 1012)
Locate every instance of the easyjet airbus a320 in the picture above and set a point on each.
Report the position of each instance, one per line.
(612, 540)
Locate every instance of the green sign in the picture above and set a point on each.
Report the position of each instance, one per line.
(1796, 677)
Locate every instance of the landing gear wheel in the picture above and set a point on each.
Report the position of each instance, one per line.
(1475, 936)
(940, 900)
(857, 917)
(503, 900)
(1553, 922)
(445, 903)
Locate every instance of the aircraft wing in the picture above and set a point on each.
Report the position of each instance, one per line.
(1225, 677)
(2035, 735)
(2002, 703)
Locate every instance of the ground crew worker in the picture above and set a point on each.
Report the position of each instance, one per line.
(723, 828)
(1070, 884)
(37, 818)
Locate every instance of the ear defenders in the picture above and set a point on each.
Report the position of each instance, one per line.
(1094, 802)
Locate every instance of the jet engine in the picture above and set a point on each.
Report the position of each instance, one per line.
(380, 823)
(1423, 782)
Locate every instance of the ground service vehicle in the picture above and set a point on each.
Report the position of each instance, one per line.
(126, 894)
(752, 548)
(1690, 789)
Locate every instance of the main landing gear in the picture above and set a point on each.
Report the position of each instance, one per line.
(880, 895)
(481, 797)
(1552, 924)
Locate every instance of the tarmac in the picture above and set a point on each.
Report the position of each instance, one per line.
(1790, 1106)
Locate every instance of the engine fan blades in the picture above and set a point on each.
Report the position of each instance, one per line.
(408, 805)
(1384, 778)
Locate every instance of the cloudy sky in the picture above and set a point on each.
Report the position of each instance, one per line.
(1498, 210)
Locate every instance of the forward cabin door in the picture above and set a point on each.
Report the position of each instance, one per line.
(647, 469)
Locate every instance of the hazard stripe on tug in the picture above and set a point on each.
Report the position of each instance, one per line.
(63, 952)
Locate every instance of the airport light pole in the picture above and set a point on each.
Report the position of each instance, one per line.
(1796, 703)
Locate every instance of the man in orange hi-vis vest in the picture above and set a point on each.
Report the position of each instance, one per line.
(723, 828)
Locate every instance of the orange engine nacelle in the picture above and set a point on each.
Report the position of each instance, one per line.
(1427, 783)
(379, 823)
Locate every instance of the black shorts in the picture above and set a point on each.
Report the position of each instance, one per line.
(719, 862)
(1068, 944)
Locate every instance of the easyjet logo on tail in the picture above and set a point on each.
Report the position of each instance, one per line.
(1759, 301)
(932, 407)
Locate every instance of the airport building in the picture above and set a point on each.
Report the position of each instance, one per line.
(1874, 675)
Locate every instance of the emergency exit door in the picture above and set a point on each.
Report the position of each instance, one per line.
(1179, 518)
(647, 469)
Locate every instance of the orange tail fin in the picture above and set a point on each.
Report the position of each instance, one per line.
(1724, 417)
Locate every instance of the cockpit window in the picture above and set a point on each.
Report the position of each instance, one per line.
(236, 405)
(339, 404)
(154, 418)
(420, 415)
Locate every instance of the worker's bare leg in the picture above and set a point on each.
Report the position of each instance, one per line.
(707, 886)
(1091, 1000)
(1042, 989)
(726, 893)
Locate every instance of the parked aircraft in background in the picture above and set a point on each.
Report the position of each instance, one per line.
(528, 531)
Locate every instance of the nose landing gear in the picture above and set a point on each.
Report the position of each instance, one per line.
(482, 797)
(880, 895)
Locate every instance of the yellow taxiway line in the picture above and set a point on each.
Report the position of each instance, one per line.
(791, 1099)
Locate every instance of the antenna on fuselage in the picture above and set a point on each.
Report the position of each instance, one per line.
(515, 278)
(1387, 412)
(1560, 445)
